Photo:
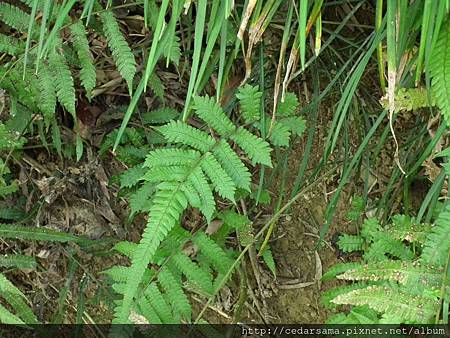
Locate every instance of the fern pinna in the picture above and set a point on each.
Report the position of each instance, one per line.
(401, 277)
(187, 174)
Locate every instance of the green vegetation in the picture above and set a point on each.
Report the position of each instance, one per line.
(153, 155)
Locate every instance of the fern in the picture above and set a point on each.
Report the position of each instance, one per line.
(410, 99)
(393, 302)
(11, 45)
(48, 93)
(437, 244)
(121, 52)
(181, 178)
(16, 299)
(349, 243)
(81, 46)
(65, 89)
(14, 17)
(250, 100)
(440, 70)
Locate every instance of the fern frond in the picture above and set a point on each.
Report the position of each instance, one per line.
(339, 269)
(131, 176)
(193, 272)
(327, 296)
(140, 200)
(178, 299)
(47, 99)
(296, 124)
(171, 156)
(165, 211)
(437, 243)
(19, 261)
(38, 234)
(393, 302)
(173, 51)
(210, 111)
(223, 183)
(403, 228)
(88, 75)
(62, 77)
(179, 132)
(11, 45)
(121, 52)
(159, 304)
(148, 312)
(250, 101)
(232, 165)
(161, 115)
(213, 252)
(256, 148)
(440, 70)
(288, 106)
(409, 99)
(350, 243)
(398, 271)
(280, 134)
(199, 182)
(14, 17)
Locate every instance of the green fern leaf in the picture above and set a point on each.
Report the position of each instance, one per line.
(280, 134)
(171, 156)
(173, 51)
(327, 296)
(178, 299)
(14, 17)
(200, 184)
(121, 52)
(350, 243)
(11, 45)
(295, 124)
(18, 261)
(213, 252)
(250, 100)
(406, 273)
(159, 304)
(232, 165)
(404, 228)
(193, 272)
(132, 176)
(440, 70)
(140, 200)
(256, 148)
(81, 45)
(409, 99)
(161, 115)
(339, 269)
(288, 106)
(148, 312)
(165, 211)
(417, 309)
(38, 234)
(179, 132)
(437, 243)
(223, 183)
(62, 77)
(210, 111)
(47, 99)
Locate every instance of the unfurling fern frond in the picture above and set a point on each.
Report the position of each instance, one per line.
(81, 46)
(121, 52)
(183, 176)
(393, 302)
(65, 89)
(437, 244)
(440, 70)
(14, 17)
(250, 100)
